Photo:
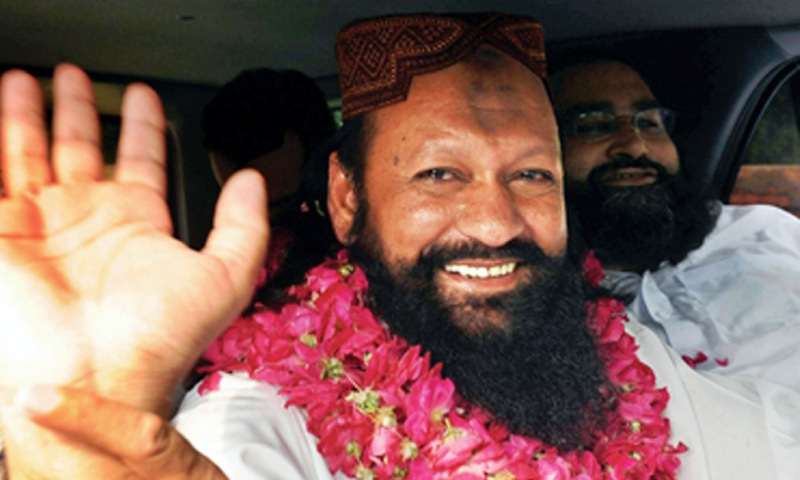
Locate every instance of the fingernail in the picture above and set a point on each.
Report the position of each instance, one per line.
(37, 399)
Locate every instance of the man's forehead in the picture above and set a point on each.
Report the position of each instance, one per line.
(444, 108)
(605, 84)
(596, 82)
(492, 86)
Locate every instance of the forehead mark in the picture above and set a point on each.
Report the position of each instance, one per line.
(493, 105)
(492, 99)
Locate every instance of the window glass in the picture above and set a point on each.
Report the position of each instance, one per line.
(335, 106)
(770, 172)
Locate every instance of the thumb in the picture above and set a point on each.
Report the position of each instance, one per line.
(240, 235)
(143, 441)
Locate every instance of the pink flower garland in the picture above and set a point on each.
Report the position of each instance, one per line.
(380, 411)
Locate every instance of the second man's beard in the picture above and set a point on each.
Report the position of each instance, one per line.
(638, 228)
(542, 377)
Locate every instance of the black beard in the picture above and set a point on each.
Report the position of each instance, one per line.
(541, 378)
(638, 228)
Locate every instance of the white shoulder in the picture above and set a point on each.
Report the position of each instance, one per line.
(246, 430)
(757, 215)
(752, 226)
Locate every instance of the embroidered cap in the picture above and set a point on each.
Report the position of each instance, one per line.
(378, 57)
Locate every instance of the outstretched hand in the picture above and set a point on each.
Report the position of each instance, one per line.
(95, 293)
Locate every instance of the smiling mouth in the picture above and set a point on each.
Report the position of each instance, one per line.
(482, 272)
(630, 176)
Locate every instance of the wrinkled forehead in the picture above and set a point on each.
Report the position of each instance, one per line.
(489, 84)
(488, 97)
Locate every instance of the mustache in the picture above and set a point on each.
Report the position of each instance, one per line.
(626, 161)
(525, 252)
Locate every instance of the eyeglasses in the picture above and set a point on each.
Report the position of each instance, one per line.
(596, 126)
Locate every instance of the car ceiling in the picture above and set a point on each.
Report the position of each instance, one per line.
(208, 42)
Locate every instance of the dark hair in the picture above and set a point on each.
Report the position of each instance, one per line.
(251, 114)
(357, 138)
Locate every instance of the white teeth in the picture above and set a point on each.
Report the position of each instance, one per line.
(628, 175)
(481, 272)
(624, 176)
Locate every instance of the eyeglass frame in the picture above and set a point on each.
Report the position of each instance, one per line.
(568, 122)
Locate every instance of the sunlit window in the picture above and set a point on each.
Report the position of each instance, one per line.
(770, 172)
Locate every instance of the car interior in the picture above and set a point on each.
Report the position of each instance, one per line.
(729, 68)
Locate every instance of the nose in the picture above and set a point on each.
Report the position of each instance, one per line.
(627, 141)
(490, 214)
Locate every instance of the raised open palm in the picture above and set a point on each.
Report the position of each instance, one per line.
(95, 293)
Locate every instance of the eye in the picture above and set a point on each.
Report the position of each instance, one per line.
(592, 125)
(651, 121)
(534, 176)
(533, 182)
(439, 181)
(436, 174)
(648, 124)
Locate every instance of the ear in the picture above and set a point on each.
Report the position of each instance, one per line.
(342, 200)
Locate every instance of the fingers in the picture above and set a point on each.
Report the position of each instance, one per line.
(23, 136)
(145, 442)
(241, 231)
(77, 154)
(142, 153)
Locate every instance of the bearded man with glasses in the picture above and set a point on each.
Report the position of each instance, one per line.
(720, 284)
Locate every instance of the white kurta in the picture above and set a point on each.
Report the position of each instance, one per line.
(244, 428)
(736, 298)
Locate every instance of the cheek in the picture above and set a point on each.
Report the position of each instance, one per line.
(407, 224)
(580, 158)
(666, 154)
(546, 219)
